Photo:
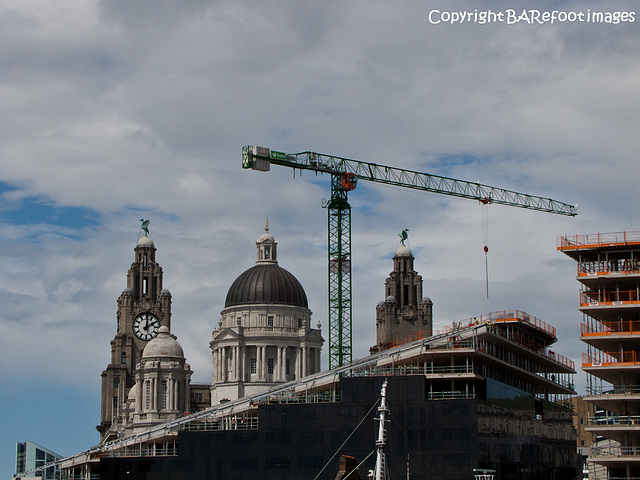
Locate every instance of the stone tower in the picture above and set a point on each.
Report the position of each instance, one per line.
(404, 315)
(265, 335)
(143, 308)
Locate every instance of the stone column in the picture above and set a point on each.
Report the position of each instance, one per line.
(216, 353)
(223, 364)
(169, 401)
(283, 369)
(304, 361)
(278, 370)
(154, 394)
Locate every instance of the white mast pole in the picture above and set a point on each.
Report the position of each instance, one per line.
(379, 472)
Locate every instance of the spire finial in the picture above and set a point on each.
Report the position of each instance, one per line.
(266, 226)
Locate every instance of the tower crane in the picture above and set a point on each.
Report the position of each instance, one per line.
(345, 174)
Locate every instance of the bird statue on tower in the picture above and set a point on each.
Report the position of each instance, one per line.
(144, 226)
(403, 235)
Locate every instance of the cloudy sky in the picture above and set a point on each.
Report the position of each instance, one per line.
(112, 111)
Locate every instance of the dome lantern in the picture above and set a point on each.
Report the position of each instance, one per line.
(267, 247)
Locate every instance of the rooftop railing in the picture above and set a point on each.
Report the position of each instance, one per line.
(571, 242)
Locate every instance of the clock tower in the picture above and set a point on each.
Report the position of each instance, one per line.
(143, 307)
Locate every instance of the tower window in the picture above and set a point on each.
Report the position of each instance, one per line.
(163, 395)
(270, 366)
(123, 357)
(145, 260)
(254, 365)
(116, 382)
(288, 366)
(145, 286)
(270, 321)
(148, 394)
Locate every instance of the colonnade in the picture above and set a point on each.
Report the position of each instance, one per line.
(263, 363)
(162, 394)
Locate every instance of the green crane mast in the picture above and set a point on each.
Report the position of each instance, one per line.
(345, 174)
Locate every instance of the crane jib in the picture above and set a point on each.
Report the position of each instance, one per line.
(260, 158)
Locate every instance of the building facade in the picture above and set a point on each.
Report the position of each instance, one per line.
(608, 270)
(405, 315)
(264, 336)
(31, 457)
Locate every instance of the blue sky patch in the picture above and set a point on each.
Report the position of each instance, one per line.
(33, 211)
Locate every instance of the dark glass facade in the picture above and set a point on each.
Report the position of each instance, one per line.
(427, 438)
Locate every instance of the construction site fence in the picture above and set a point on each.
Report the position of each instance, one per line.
(615, 297)
(610, 328)
(597, 239)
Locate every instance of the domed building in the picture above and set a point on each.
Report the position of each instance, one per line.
(264, 336)
(161, 391)
(404, 315)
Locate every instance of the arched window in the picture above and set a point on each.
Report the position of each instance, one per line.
(163, 395)
(147, 388)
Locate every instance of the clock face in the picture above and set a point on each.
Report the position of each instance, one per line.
(146, 326)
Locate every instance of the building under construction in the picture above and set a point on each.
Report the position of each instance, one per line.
(608, 269)
(486, 393)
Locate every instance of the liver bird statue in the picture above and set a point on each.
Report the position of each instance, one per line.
(403, 235)
(144, 226)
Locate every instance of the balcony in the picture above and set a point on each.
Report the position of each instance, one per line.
(596, 298)
(611, 358)
(625, 266)
(608, 328)
(624, 421)
(612, 454)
